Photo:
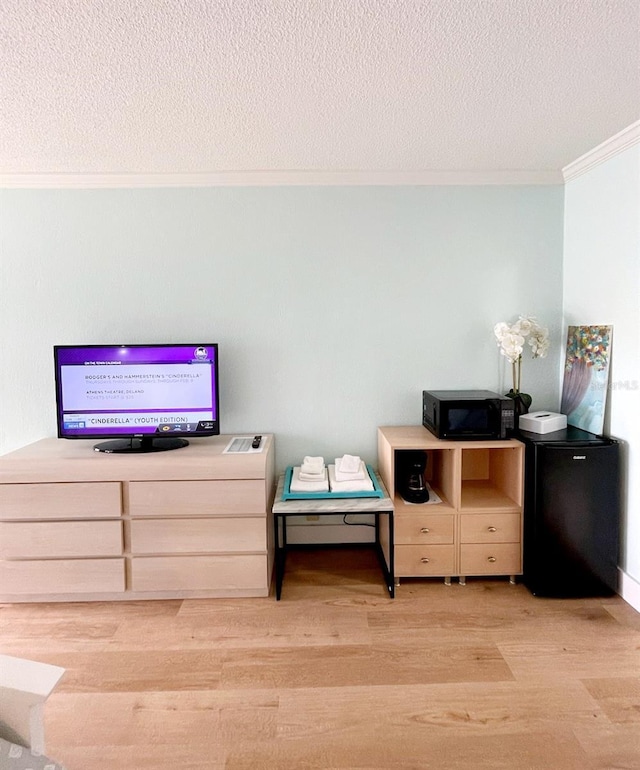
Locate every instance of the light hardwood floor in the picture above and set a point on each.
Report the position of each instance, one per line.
(337, 675)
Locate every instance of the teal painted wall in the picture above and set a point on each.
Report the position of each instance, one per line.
(602, 286)
(334, 307)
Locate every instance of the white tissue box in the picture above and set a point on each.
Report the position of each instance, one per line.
(542, 422)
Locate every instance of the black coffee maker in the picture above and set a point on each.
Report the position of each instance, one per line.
(410, 467)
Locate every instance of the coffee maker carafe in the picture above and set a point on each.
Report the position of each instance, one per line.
(410, 468)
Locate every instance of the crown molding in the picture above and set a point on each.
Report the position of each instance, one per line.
(280, 178)
(616, 144)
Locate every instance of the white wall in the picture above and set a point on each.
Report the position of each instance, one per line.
(602, 286)
(333, 307)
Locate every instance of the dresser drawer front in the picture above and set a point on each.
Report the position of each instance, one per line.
(491, 559)
(60, 539)
(196, 498)
(419, 560)
(62, 576)
(82, 500)
(193, 573)
(162, 536)
(415, 530)
(490, 527)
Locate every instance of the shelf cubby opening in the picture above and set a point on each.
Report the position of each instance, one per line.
(491, 479)
(439, 474)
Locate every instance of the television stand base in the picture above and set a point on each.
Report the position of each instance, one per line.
(145, 444)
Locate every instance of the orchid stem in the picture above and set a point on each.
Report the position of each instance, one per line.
(515, 373)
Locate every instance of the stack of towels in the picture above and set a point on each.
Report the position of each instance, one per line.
(311, 476)
(349, 474)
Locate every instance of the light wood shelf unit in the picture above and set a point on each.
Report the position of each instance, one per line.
(477, 528)
(79, 525)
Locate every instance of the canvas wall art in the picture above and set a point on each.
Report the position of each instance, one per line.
(586, 376)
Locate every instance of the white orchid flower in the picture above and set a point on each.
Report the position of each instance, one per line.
(525, 325)
(511, 340)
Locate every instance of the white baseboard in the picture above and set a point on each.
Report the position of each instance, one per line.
(630, 590)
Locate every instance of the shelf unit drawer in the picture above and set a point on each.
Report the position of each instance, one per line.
(490, 527)
(163, 536)
(424, 560)
(82, 500)
(197, 498)
(491, 559)
(60, 539)
(193, 573)
(424, 528)
(62, 576)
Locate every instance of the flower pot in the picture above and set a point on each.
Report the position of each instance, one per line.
(521, 402)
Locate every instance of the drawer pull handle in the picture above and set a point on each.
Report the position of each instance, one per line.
(491, 559)
(425, 559)
(425, 530)
(491, 529)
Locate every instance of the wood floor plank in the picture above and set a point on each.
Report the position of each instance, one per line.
(624, 614)
(470, 708)
(360, 665)
(46, 637)
(149, 757)
(572, 658)
(267, 627)
(611, 747)
(337, 676)
(138, 719)
(140, 671)
(413, 750)
(619, 697)
(113, 611)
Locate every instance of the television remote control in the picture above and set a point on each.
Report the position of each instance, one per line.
(256, 442)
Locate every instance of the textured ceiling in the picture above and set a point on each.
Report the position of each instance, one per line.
(202, 86)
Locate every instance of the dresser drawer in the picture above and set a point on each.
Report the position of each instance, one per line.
(36, 540)
(62, 576)
(205, 573)
(196, 498)
(417, 560)
(81, 500)
(490, 527)
(161, 536)
(420, 529)
(491, 559)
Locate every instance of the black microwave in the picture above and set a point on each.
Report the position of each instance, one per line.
(467, 414)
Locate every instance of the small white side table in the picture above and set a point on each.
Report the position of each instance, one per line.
(382, 507)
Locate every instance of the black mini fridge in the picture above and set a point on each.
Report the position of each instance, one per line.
(571, 513)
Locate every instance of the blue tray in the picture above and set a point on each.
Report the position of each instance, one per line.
(287, 494)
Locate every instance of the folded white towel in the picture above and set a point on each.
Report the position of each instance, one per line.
(348, 464)
(297, 485)
(312, 464)
(359, 485)
(358, 475)
(313, 476)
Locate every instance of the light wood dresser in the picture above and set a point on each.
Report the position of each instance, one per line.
(80, 525)
(477, 528)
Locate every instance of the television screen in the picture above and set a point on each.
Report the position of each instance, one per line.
(148, 397)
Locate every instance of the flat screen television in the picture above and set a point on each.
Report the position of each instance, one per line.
(146, 398)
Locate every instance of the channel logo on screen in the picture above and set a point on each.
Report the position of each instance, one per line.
(69, 425)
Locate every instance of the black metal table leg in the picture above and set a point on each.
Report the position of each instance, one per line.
(387, 570)
(280, 551)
